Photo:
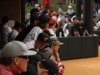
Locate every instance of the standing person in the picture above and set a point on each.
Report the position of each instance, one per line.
(46, 4)
(18, 27)
(34, 11)
(14, 58)
(5, 29)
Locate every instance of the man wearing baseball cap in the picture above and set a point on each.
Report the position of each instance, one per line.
(42, 40)
(14, 58)
(55, 45)
(47, 67)
(52, 25)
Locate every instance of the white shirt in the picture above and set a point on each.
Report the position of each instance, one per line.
(70, 11)
(60, 11)
(66, 32)
(61, 17)
(99, 12)
(28, 23)
(12, 35)
(52, 32)
(32, 36)
(6, 31)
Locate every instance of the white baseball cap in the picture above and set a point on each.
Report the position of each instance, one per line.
(36, 5)
(14, 49)
(69, 6)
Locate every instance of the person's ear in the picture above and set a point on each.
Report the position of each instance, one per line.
(16, 60)
(45, 72)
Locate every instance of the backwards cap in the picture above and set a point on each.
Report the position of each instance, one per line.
(51, 66)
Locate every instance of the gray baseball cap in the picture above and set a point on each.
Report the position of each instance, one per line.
(55, 41)
(14, 49)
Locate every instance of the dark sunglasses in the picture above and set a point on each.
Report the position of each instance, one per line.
(24, 57)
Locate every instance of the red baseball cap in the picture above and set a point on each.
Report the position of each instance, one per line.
(52, 21)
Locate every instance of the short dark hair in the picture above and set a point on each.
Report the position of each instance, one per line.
(18, 25)
(33, 11)
(33, 18)
(44, 19)
(5, 19)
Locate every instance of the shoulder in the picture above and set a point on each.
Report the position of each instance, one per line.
(31, 70)
(36, 28)
(5, 70)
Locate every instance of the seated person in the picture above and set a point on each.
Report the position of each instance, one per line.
(81, 28)
(47, 67)
(14, 58)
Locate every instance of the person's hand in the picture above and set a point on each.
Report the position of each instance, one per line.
(89, 35)
(58, 59)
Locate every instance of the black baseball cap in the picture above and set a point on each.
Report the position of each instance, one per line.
(51, 66)
(47, 32)
(44, 38)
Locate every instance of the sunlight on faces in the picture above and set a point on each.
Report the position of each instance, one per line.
(22, 63)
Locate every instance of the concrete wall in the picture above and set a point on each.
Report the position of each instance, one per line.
(11, 8)
(54, 1)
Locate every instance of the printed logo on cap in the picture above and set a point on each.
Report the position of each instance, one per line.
(45, 39)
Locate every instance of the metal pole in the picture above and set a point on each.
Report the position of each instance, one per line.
(78, 8)
(23, 11)
(88, 15)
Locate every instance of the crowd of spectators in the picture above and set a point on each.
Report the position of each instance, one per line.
(32, 48)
